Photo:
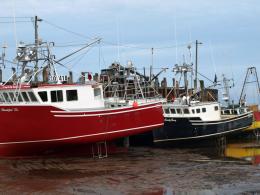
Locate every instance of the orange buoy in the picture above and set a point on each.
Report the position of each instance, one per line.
(135, 104)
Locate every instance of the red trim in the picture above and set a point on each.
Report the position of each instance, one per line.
(24, 86)
(257, 116)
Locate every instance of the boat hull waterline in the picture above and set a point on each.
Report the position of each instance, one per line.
(33, 128)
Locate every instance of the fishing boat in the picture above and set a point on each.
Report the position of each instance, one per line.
(186, 118)
(36, 116)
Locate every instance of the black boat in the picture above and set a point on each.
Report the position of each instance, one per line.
(186, 118)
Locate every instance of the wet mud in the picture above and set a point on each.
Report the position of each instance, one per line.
(142, 170)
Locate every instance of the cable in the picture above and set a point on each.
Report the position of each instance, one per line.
(68, 31)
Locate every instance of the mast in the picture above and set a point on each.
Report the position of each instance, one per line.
(196, 65)
(36, 20)
(250, 71)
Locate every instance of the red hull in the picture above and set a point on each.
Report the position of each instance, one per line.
(28, 129)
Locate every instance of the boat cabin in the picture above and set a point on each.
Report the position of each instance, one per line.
(204, 111)
(64, 96)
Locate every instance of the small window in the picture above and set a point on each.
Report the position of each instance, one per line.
(236, 111)
(43, 96)
(56, 96)
(97, 92)
(2, 98)
(32, 96)
(193, 111)
(178, 110)
(25, 97)
(227, 111)
(19, 97)
(186, 111)
(167, 111)
(204, 110)
(173, 111)
(216, 108)
(7, 99)
(72, 95)
(198, 110)
(11, 95)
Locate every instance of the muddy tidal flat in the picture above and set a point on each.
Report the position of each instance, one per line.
(139, 171)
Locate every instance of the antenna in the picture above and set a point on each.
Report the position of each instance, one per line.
(117, 33)
(151, 67)
(14, 18)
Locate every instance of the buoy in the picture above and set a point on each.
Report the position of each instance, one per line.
(135, 104)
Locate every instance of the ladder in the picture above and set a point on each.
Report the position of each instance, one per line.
(99, 149)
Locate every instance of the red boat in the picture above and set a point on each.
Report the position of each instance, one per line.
(46, 116)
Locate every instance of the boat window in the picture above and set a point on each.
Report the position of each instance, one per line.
(173, 111)
(198, 110)
(186, 111)
(193, 111)
(2, 98)
(56, 96)
(7, 99)
(236, 111)
(204, 110)
(216, 108)
(11, 95)
(97, 92)
(227, 111)
(72, 95)
(43, 96)
(167, 111)
(19, 97)
(32, 96)
(25, 96)
(178, 110)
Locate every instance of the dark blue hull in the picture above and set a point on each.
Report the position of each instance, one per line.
(189, 128)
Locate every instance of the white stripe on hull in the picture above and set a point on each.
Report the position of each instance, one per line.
(109, 113)
(82, 136)
(201, 136)
(226, 120)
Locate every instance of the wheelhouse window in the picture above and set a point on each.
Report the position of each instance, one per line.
(227, 112)
(7, 99)
(43, 95)
(32, 96)
(204, 110)
(198, 110)
(97, 92)
(167, 111)
(72, 95)
(11, 95)
(2, 98)
(56, 96)
(19, 97)
(193, 111)
(186, 111)
(178, 110)
(25, 97)
(173, 111)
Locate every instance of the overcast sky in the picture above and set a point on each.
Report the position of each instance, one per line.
(229, 31)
